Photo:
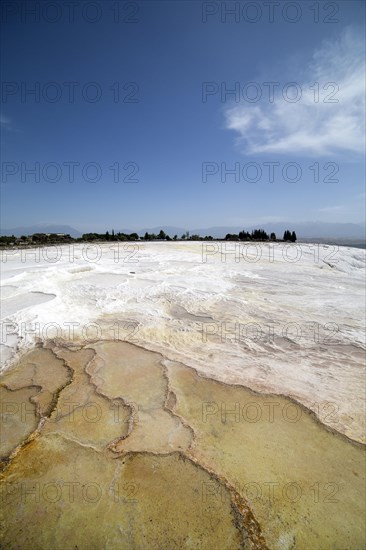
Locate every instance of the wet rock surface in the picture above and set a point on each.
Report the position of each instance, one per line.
(110, 445)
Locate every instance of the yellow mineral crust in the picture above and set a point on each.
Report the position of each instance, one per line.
(113, 446)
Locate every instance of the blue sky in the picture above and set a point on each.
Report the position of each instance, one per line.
(176, 131)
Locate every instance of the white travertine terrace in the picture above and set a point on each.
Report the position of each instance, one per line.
(277, 318)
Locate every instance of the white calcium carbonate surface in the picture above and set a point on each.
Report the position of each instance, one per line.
(277, 318)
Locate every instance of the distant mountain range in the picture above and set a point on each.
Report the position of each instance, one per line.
(303, 229)
(311, 230)
(321, 230)
(40, 228)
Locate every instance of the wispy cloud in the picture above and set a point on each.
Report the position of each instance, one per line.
(4, 121)
(330, 209)
(308, 127)
(7, 124)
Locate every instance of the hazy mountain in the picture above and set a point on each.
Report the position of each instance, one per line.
(169, 229)
(303, 229)
(321, 230)
(41, 228)
(311, 230)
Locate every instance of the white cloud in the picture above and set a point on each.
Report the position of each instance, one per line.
(6, 124)
(4, 121)
(308, 127)
(330, 209)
